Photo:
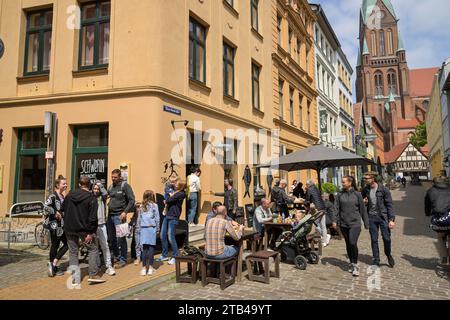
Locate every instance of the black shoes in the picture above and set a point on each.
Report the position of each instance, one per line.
(391, 261)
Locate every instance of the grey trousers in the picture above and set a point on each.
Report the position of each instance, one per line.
(73, 242)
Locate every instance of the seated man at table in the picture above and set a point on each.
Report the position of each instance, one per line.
(213, 213)
(262, 214)
(216, 230)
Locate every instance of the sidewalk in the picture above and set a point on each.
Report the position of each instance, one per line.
(56, 288)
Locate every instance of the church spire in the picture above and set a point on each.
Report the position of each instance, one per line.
(369, 5)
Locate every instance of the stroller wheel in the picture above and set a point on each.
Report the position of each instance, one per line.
(301, 262)
(313, 258)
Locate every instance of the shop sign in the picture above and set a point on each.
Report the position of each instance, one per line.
(28, 208)
(94, 166)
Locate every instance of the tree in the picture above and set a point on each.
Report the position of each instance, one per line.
(419, 138)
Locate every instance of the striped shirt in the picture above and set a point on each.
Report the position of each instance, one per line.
(216, 230)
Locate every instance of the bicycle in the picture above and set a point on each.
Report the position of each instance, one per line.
(42, 236)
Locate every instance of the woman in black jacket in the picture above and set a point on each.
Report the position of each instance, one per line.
(351, 209)
(54, 222)
(168, 228)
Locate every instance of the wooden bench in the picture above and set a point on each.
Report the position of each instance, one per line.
(220, 279)
(263, 257)
(192, 265)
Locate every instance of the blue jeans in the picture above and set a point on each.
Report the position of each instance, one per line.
(118, 246)
(193, 203)
(168, 235)
(228, 252)
(378, 223)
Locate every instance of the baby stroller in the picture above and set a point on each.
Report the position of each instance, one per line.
(294, 246)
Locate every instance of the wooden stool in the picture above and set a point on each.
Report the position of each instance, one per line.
(192, 264)
(221, 279)
(263, 256)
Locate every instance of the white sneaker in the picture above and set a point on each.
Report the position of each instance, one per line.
(355, 272)
(192, 225)
(350, 267)
(143, 272)
(172, 261)
(150, 271)
(137, 262)
(110, 271)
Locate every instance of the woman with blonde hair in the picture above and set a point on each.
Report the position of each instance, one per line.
(148, 223)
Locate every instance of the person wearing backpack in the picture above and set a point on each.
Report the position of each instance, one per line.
(437, 205)
(121, 202)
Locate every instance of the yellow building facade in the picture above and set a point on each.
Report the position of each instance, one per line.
(434, 130)
(294, 89)
(127, 78)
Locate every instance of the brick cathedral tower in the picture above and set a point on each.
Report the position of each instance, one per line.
(382, 83)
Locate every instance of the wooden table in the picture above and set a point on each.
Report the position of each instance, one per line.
(247, 235)
(269, 226)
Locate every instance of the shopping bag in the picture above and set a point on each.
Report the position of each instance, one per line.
(122, 230)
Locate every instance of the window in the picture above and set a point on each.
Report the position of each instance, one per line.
(257, 151)
(317, 35)
(309, 116)
(291, 106)
(299, 52)
(307, 61)
(382, 44)
(256, 70)
(38, 42)
(426, 104)
(90, 153)
(378, 84)
(254, 17)
(300, 104)
(280, 28)
(392, 82)
(197, 51)
(290, 41)
(31, 166)
(281, 98)
(94, 35)
(373, 37)
(390, 42)
(228, 70)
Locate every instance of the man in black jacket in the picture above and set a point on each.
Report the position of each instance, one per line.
(380, 209)
(281, 199)
(81, 221)
(230, 198)
(437, 203)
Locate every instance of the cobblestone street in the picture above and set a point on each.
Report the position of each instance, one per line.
(415, 275)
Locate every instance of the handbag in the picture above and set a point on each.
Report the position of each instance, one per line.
(122, 230)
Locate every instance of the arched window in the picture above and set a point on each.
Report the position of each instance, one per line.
(392, 82)
(379, 83)
(382, 44)
(390, 42)
(373, 37)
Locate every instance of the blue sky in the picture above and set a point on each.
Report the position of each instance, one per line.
(424, 25)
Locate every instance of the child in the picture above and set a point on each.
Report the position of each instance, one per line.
(148, 224)
(135, 244)
(169, 190)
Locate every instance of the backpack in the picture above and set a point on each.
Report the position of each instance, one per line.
(193, 251)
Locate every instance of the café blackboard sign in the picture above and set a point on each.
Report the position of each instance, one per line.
(27, 208)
